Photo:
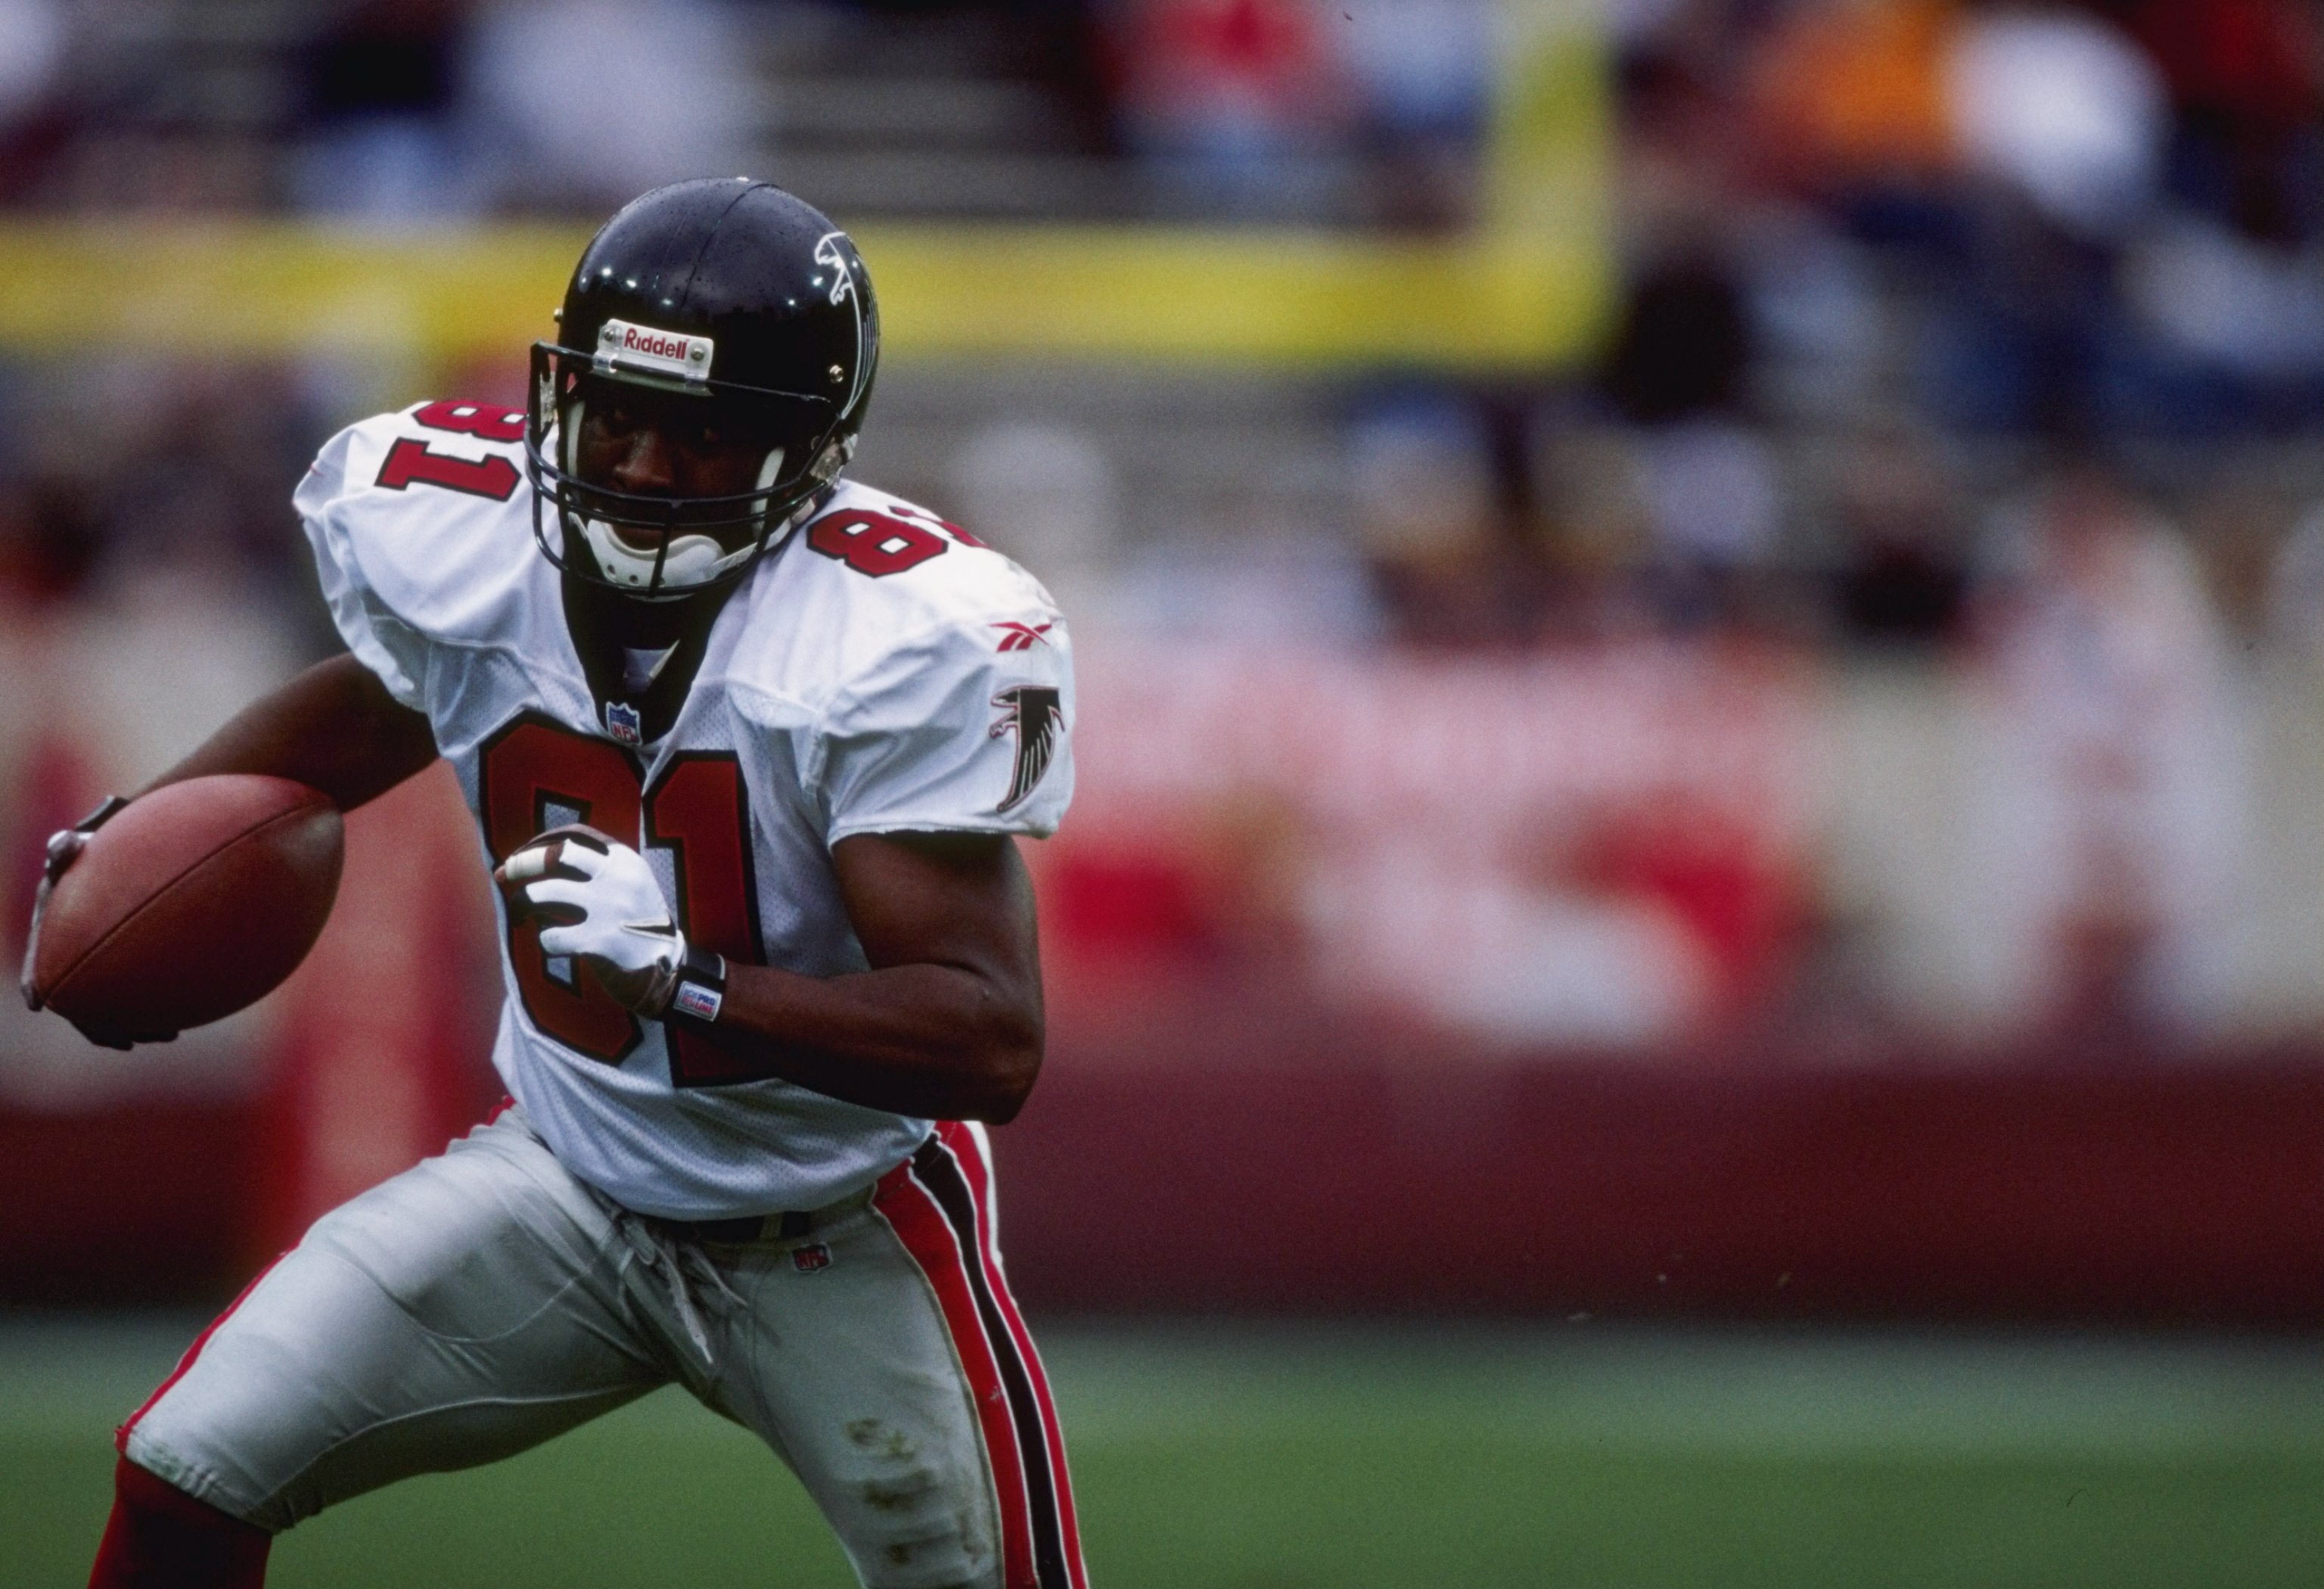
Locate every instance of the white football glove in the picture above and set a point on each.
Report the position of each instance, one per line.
(598, 900)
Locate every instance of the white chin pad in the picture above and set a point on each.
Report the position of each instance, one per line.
(693, 559)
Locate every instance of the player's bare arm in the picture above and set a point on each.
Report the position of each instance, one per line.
(334, 728)
(947, 1022)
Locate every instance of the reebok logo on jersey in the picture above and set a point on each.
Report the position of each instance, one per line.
(1022, 637)
(620, 345)
(1033, 712)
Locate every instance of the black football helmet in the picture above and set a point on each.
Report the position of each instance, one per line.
(731, 291)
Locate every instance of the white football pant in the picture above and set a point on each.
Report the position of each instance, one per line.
(485, 1300)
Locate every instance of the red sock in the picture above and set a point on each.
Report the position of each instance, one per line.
(161, 1538)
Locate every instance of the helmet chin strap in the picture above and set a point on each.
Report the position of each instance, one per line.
(768, 471)
(688, 563)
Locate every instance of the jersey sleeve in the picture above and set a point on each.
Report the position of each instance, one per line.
(968, 728)
(380, 640)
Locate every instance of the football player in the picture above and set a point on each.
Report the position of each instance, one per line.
(748, 744)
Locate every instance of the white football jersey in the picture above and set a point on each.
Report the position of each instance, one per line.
(879, 671)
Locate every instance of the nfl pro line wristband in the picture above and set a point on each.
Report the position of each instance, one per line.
(701, 989)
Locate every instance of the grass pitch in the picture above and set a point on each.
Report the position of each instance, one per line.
(1281, 1457)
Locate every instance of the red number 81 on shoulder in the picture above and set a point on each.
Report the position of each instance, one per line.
(492, 476)
(877, 545)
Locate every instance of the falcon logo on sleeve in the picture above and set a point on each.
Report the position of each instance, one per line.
(1035, 714)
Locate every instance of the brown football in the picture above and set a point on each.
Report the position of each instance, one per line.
(196, 900)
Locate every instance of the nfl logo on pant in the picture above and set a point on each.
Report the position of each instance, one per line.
(810, 1257)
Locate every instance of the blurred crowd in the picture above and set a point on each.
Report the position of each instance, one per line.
(1977, 343)
(396, 110)
(1898, 276)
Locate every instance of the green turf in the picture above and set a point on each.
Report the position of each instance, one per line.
(1284, 1458)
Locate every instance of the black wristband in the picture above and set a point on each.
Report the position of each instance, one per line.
(701, 991)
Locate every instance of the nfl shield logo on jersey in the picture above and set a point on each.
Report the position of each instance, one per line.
(623, 722)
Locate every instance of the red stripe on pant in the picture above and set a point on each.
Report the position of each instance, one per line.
(937, 1169)
(121, 1435)
(913, 1214)
(967, 1145)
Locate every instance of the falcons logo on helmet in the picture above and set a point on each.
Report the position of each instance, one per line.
(1033, 712)
(832, 257)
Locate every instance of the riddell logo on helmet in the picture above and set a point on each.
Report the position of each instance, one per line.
(669, 353)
